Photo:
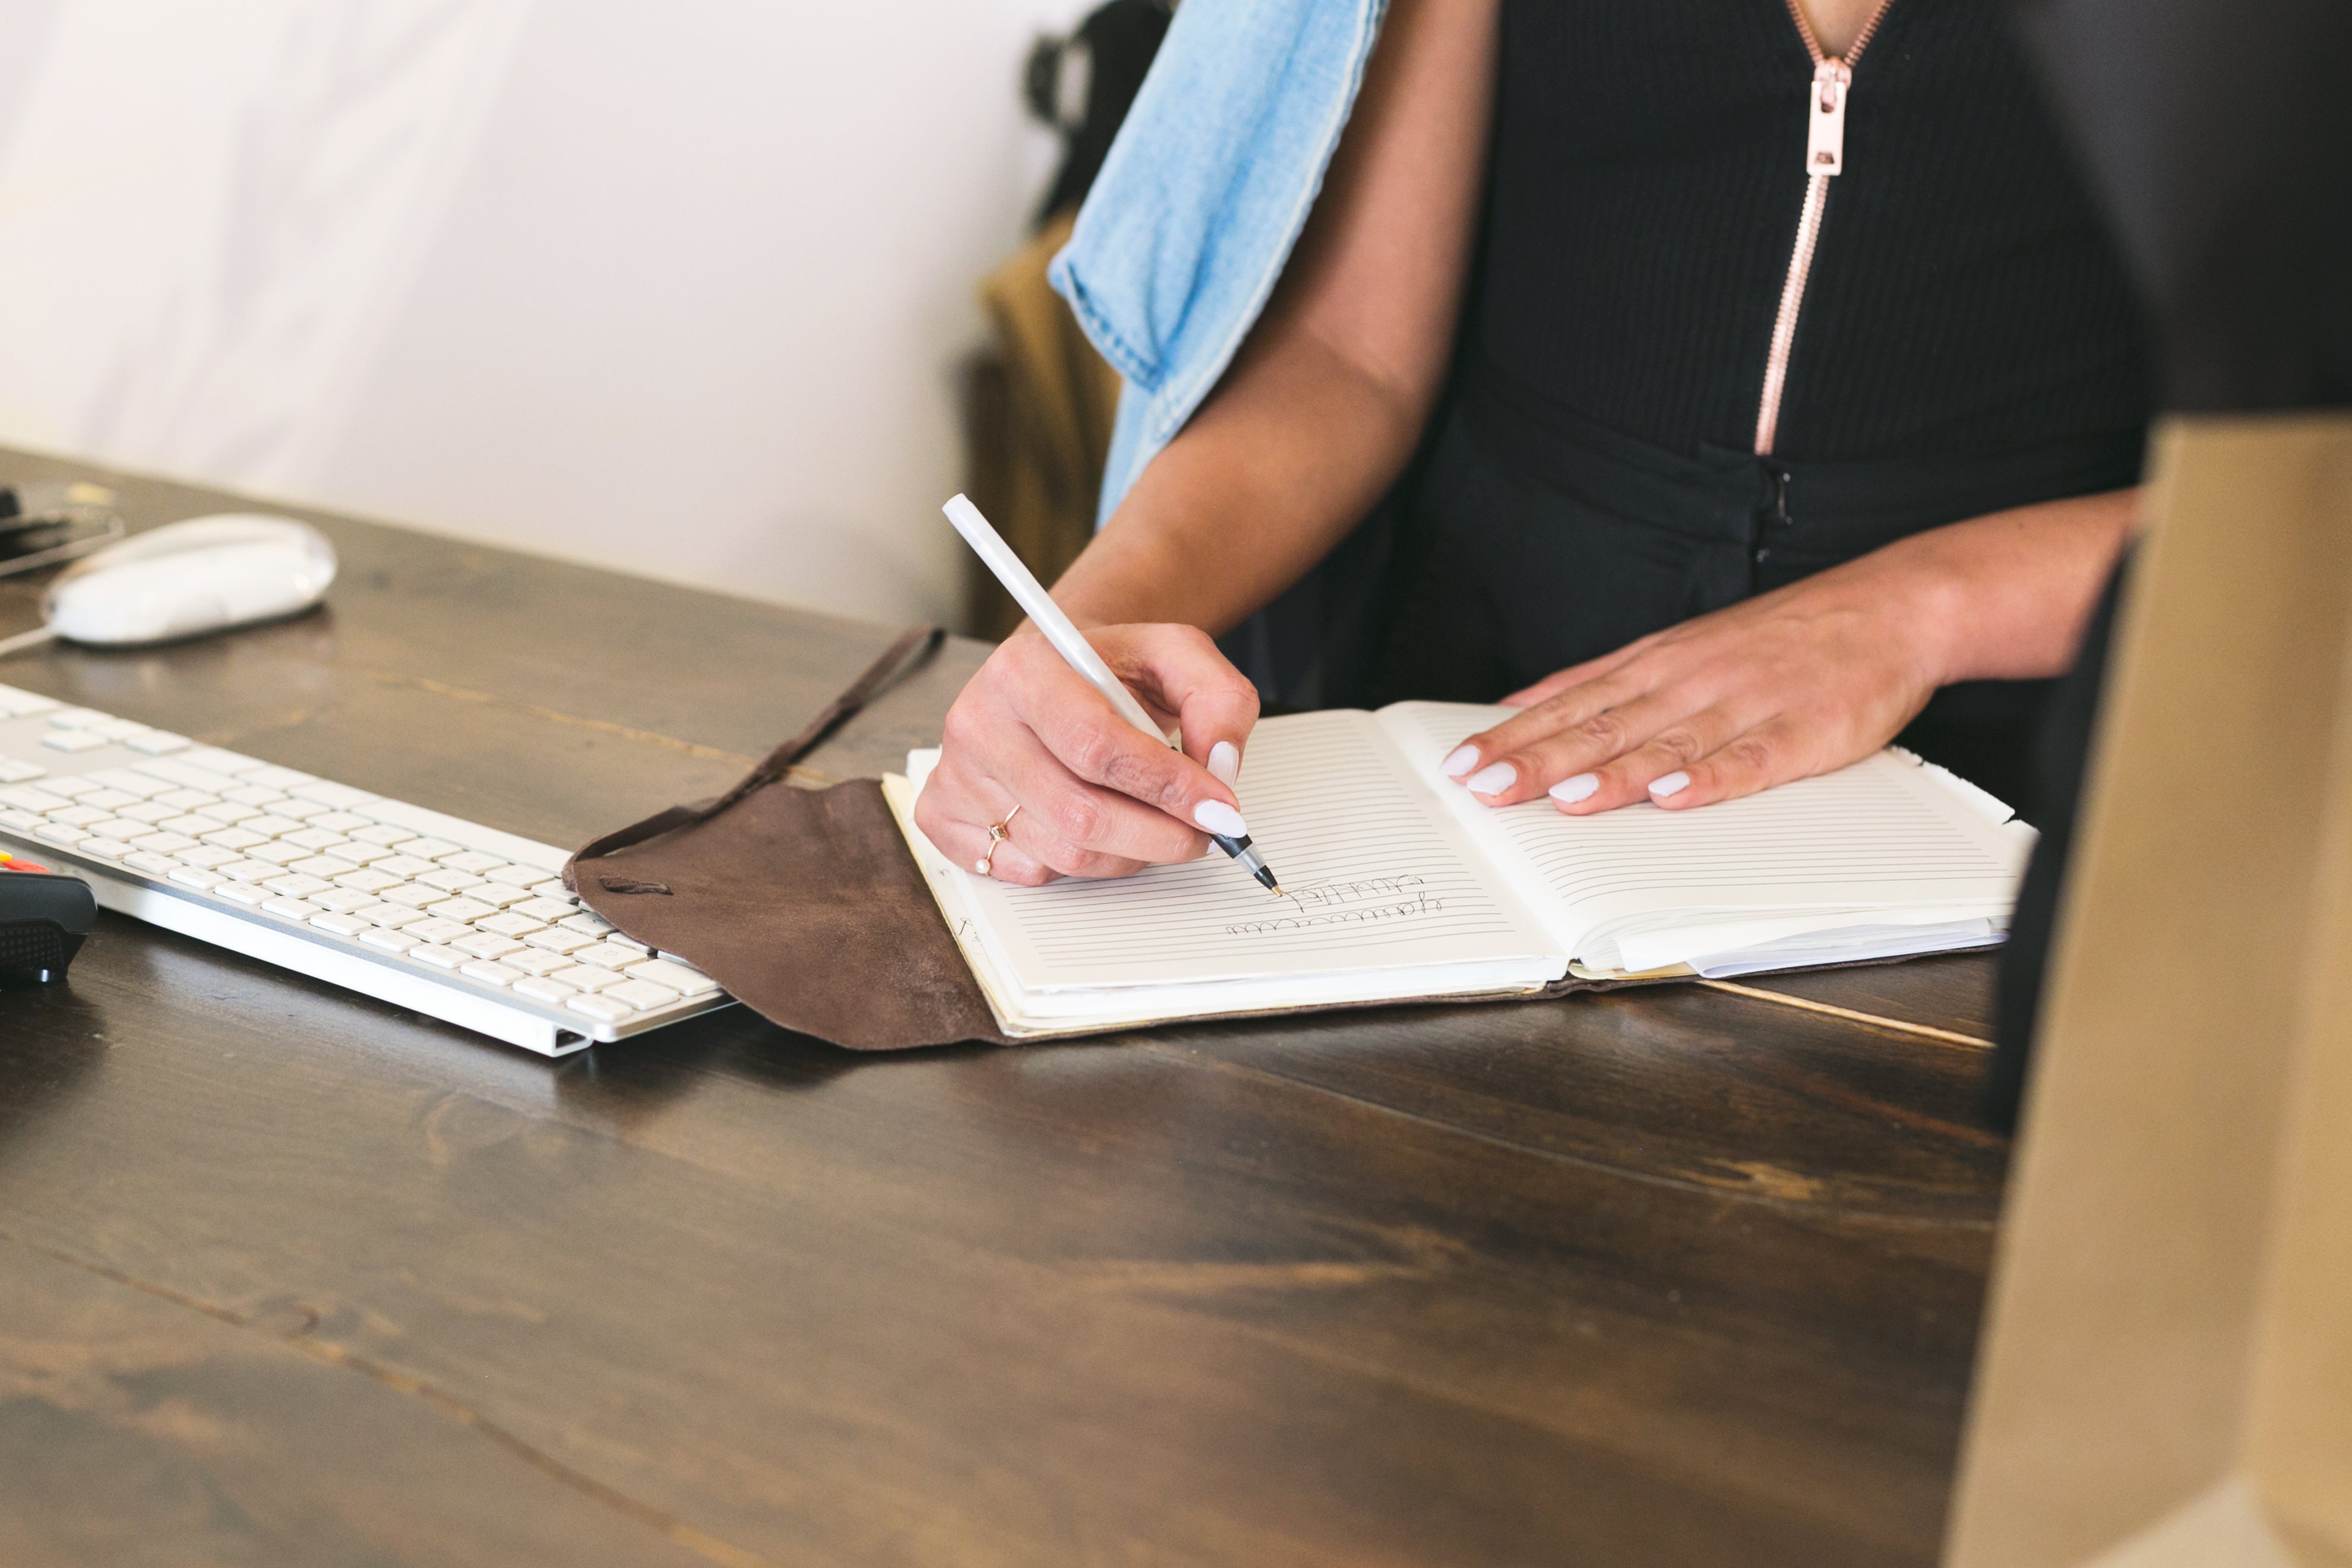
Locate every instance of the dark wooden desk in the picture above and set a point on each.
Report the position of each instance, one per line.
(288, 1276)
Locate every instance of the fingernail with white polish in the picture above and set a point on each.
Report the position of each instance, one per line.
(1459, 761)
(1672, 783)
(1492, 780)
(1218, 817)
(1225, 762)
(1568, 792)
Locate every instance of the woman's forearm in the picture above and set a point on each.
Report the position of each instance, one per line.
(2010, 592)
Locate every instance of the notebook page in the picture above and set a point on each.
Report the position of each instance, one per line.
(1882, 842)
(1375, 875)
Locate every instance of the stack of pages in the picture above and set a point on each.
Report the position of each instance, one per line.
(1399, 885)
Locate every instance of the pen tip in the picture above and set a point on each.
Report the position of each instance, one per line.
(1276, 888)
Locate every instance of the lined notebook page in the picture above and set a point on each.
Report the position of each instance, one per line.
(1883, 835)
(1375, 875)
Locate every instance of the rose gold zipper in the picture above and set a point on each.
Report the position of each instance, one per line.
(1824, 160)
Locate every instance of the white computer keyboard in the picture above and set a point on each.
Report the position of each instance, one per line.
(420, 909)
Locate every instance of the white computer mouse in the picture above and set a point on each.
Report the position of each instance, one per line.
(186, 579)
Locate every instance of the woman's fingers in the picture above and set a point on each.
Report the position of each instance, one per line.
(1772, 752)
(1179, 670)
(1585, 770)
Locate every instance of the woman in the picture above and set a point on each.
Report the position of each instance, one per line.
(1776, 377)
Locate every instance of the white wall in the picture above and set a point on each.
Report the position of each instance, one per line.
(671, 284)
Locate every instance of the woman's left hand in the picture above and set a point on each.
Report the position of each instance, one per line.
(1809, 677)
(1801, 680)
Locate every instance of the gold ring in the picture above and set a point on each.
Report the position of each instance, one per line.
(998, 832)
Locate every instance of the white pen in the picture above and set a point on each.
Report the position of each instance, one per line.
(1075, 651)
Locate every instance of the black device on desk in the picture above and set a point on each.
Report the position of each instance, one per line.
(43, 917)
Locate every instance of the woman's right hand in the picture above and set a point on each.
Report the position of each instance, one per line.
(1098, 797)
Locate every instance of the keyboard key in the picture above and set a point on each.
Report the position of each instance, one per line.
(235, 764)
(298, 887)
(493, 973)
(258, 796)
(473, 860)
(586, 924)
(376, 833)
(523, 877)
(236, 838)
(251, 870)
(586, 977)
(402, 865)
(148, 861)
(73, 740)
(22, 821)
(75, 787)
(611, 955)
(202, 881)
(186, 799)
(357, 854)
(115, 729)
(163, 843)
(440, 957)
(189, 823)
(448, 880)
(318, 866)
(462, 909)
(277, 778)
(77, 718)
(643, 994)
(187, 774)
(386, 937)
(158, 742)
(343, 797)
(602, 1008)
(13, 771)
(17, 703)
(391, 917)
(538, 961)
(106, 799)
(317, 839)
(293, 909)
(437, 931)
(341, 925)
(500, 896)
(79, 815)
(25, 797)
(97, 844)
(278, 854)
(58, 833)
(343, 822)
(677, 976)
(544, 990)
(487, 945)
(131, 781)
(547, 911)
(417, 896)
(229, 813)
(242, 892)
(512, 925)
(205, 858)
(367, 881)
(269, 825)
(427, 848)
(147, 811)
(555, 939)
(343, 900)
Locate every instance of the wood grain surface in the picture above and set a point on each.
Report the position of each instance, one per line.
(288, 1276)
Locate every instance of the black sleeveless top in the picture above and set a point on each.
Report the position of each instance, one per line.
(1648, 173)
(1965, 342)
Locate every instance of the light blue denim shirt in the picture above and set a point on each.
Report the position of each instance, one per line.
(1202, 196)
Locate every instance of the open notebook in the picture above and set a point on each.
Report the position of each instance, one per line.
(1398, 885)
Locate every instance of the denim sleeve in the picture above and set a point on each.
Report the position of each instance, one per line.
(1202, 196)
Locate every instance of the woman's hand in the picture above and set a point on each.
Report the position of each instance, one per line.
(1808, 677)
(1096, 797)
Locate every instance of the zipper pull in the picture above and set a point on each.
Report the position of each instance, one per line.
(1825, 147)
